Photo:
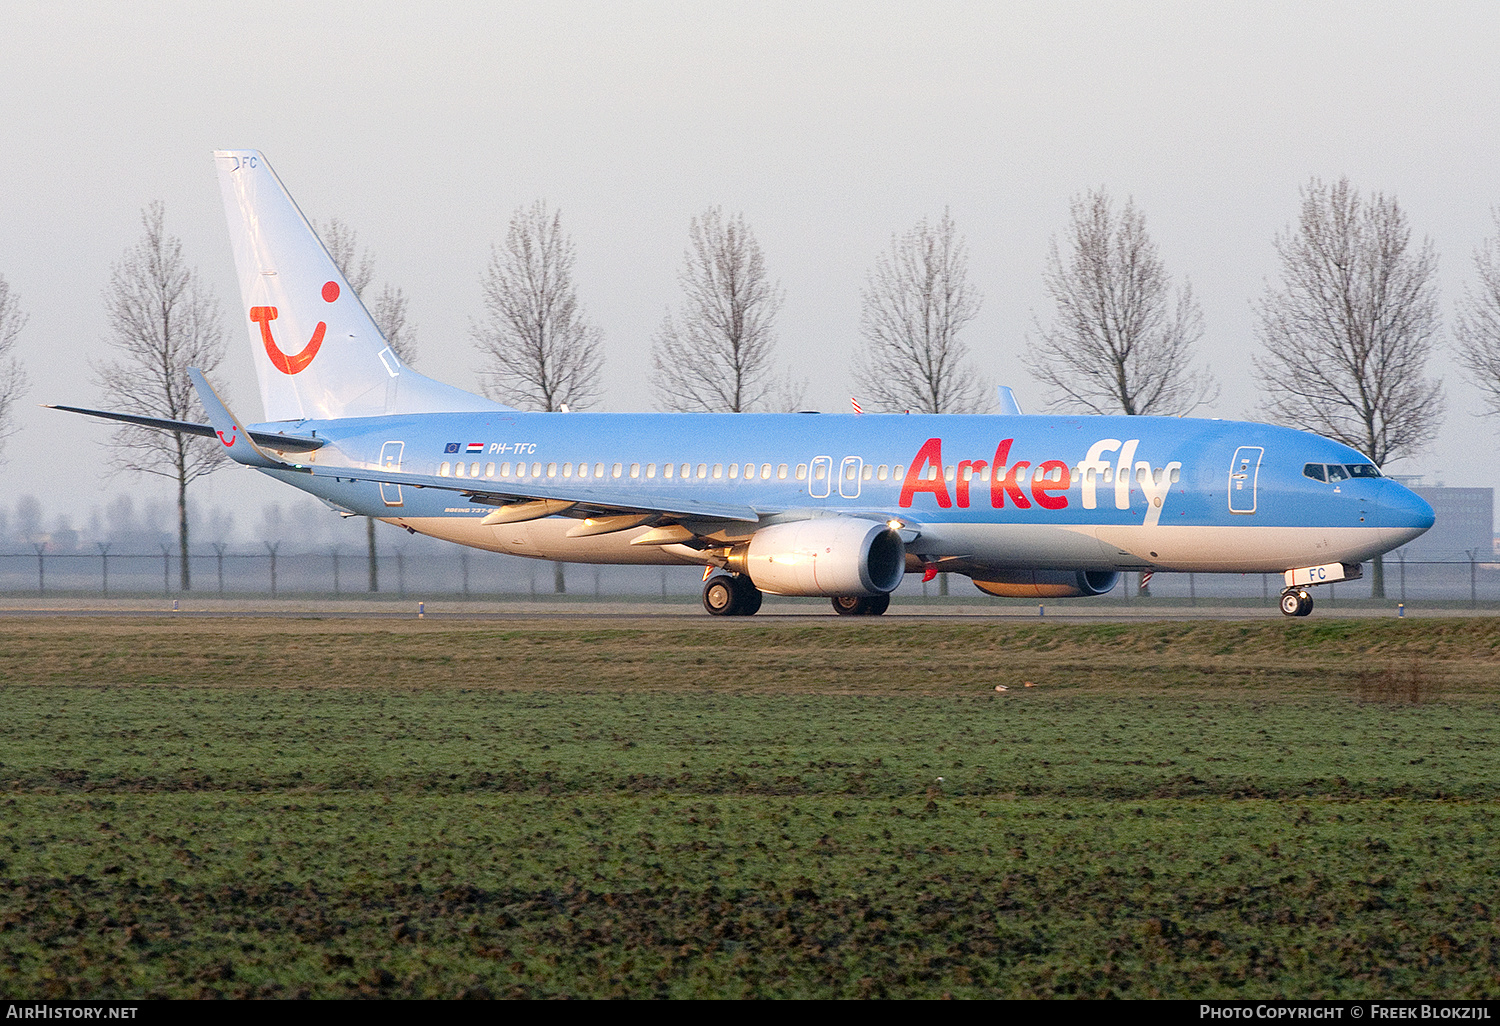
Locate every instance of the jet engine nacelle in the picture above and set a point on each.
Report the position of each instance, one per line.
(1049, 583)
(827, 556)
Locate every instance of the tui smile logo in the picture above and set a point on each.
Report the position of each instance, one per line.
(228, 442)
(292, 363)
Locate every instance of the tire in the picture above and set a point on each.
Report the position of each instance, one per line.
(1305, 603)
(861, 605)
(1291, 603)
(720, 597)
(747, 596)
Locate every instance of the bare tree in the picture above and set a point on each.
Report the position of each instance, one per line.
(162, 320)
(1348, 332)
(542, 352)
(915, 303)
(12, 377)
(1120, 342)
(1478, 327)
(389, 313)
(718, 353)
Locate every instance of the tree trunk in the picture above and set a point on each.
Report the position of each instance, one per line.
(1377, 578)
(943, 585)
(374, 564)
(186, 578)
(559, 585)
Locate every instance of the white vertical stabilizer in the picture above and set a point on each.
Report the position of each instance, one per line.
(317, 351)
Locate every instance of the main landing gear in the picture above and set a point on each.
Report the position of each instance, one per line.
(861, 605)
(1296, 602)
(731, 595)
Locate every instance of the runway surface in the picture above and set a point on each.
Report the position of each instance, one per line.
(618, 609)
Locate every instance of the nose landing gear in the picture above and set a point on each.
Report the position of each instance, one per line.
(861, 605)
(1296, 602)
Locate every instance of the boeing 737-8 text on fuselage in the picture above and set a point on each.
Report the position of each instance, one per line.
(791, 504)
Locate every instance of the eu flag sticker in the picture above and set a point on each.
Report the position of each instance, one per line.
(451, 447)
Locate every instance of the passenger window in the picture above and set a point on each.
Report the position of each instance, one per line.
(505, 470)
(583, 470)
(718, 471)
(443, 470)
(781, 472)
(552, 470)
(489, 470)
(734, 472)
(458, 470)
(598, 470)
(1336, 473)
(635, 470)
(765, 472)
(667, 468)
(1314, 471)
(650, 470)
(1176, 474)
(749, 470)
(869, 472)
(536, 470)
(802, 472)
(881, 472)
(948, 473)
(702, 471)
(567, 470)
(617, 470)
(820, 472)
(898, 472)
(520, 470)
(686, 472)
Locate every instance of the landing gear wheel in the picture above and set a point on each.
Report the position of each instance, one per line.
(861, 605)
(719, 596)
(1296, 603)
(747, 595)
(725, 595)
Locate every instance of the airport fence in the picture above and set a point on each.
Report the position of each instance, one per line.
(454, 572)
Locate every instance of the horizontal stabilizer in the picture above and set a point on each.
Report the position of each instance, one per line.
(269, 439)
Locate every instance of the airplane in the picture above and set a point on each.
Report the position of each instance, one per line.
(837, 506)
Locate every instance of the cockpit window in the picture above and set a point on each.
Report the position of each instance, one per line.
(1314, 471)
(1337, 473)
(1363, 470)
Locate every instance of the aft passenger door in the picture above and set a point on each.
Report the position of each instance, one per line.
(390, 459)
(1244, 472)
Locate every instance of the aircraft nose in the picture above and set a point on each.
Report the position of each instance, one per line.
(1405, 514)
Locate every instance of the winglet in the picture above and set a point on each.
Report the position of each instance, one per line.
(236, 438)
(1008, 405)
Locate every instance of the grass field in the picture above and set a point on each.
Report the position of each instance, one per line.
(833, 808)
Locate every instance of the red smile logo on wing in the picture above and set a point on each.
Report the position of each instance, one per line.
(292, 363)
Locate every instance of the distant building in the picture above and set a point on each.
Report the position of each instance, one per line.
(1465, 524)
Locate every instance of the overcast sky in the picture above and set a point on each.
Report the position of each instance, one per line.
(830, 126)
